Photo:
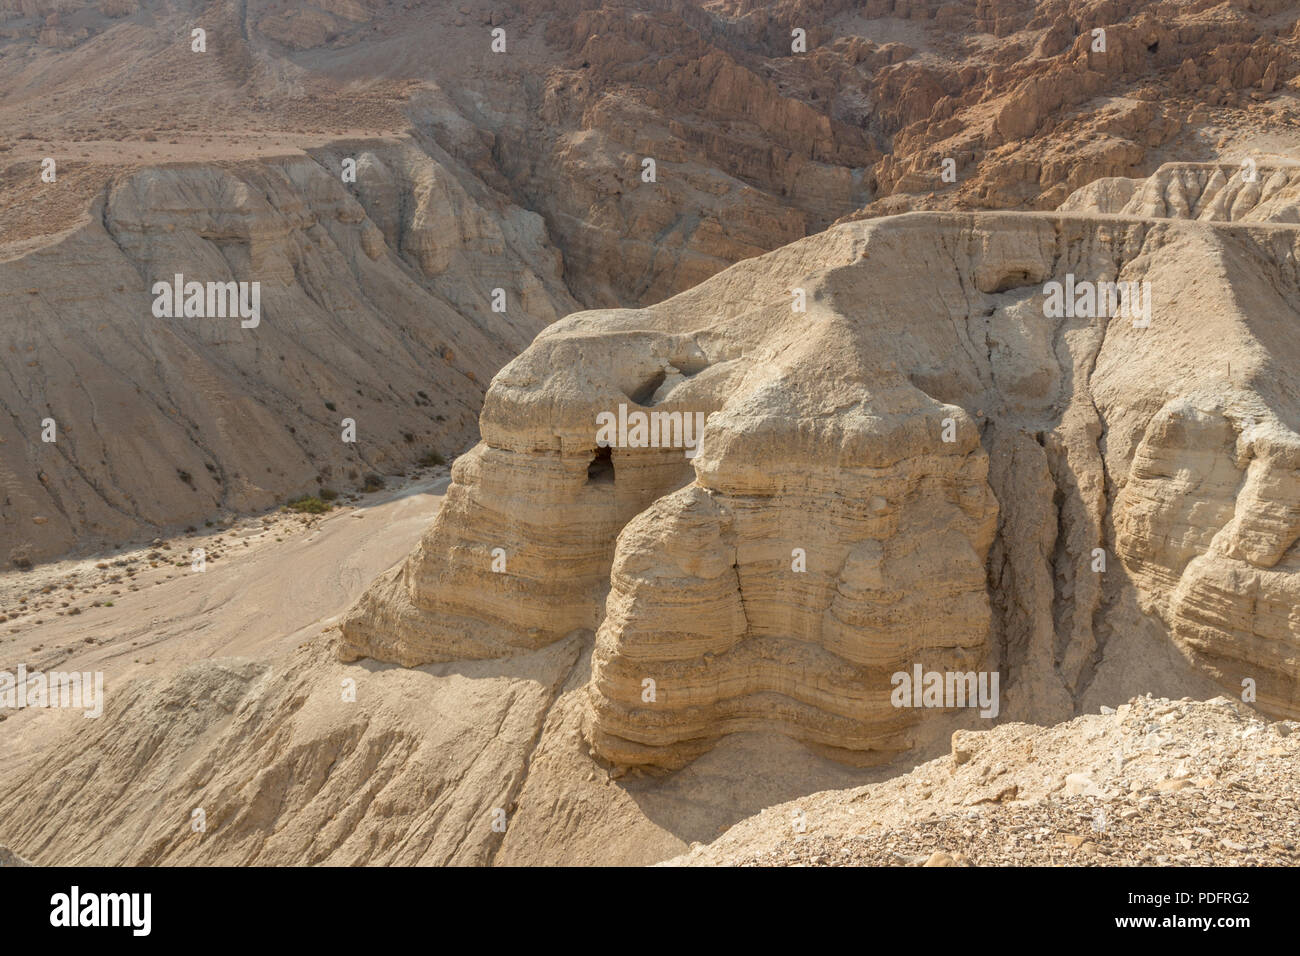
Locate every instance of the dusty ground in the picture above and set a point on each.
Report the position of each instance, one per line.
(270, 582)
(1154, 782)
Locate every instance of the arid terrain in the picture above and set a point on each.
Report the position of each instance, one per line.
(965, 333)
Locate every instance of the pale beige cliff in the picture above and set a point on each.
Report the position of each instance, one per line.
(1053, 538)
(1167, 447)
(1210, 516)
(223, 695)
(1072, 435)
(477, 169)
(600, 655)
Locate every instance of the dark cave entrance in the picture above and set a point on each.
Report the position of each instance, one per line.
(601, 469)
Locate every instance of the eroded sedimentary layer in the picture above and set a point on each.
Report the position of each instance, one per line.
(928, 465)
(375, 306)
(755, 141)
(1210, 192)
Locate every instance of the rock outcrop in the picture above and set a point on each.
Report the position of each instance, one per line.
(658, 143)
(1209, 192)
(841, 520)
(766, 121)
(1208, 524)
(708, 525)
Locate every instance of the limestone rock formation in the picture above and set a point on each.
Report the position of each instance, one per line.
(1069, 441)
(1207, 521)
(708, 524)
(1208, 527)
(1210, 192)
(755, 144)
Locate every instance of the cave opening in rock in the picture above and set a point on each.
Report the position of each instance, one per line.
(645, 394)
(1011, 279)
(601, 469)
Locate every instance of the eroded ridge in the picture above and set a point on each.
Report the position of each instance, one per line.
(930, 463)
(170, 416)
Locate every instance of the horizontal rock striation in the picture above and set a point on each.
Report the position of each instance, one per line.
(926, 466)
(1208, 525)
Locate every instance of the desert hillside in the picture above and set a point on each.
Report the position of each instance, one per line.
(497, 186)
(560, 432)
(1151, 782)
(519, 695)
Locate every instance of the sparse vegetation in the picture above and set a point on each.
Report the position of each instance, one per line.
(309, 504)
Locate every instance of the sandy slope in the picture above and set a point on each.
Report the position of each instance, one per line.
(256, 601)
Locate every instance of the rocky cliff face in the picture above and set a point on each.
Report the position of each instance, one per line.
(766, 121)
(1208, 518)
(707, 522)
(928, 465)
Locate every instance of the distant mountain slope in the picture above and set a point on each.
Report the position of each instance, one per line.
(376, 307)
